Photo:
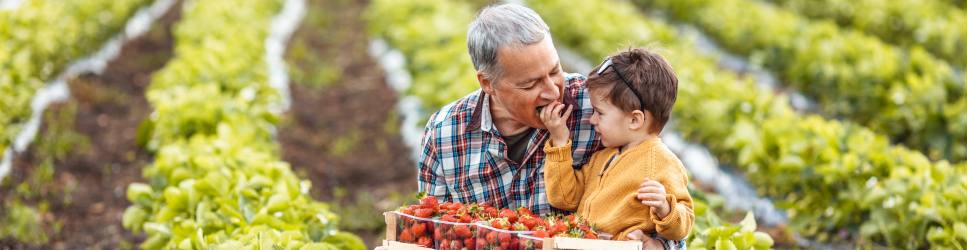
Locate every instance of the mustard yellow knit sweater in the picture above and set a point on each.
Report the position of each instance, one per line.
(608, 197)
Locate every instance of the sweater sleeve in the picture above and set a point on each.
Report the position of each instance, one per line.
(564, 184)
(678, 223)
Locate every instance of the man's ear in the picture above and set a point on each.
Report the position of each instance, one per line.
(485, 84)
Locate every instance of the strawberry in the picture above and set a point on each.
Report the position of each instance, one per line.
(456, 244)
(492, 237)
(429, 202)
(449, 218)
(418, 229)
(470, 243)
(572, 219)
(508, 214)
(500, 224)
(408, 210)
(424, 213)
(462, 231)
(528, 221)
(444, 244)
(541, 234)
(558, 228)
(491, 212)
(424, 241)
(527, 211)
(406, 236)
(504, 237)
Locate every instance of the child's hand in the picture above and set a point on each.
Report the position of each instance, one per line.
(647, 242)
(556, 122)
(652, 194)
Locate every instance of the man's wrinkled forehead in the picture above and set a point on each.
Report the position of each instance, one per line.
(526, 63)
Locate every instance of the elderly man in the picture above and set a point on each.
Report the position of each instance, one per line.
(487, 146)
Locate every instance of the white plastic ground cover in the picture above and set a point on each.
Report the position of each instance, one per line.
(9, 4)
(763, 78)
(409, 107)
(57, 90)
(283, 25)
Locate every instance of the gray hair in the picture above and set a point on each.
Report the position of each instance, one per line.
(498, 26)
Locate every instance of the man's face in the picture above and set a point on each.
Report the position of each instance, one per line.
(532, 78)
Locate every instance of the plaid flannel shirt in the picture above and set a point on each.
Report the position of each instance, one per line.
(464, 157)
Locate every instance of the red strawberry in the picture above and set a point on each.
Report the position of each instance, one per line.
(418, 229)
(492, 237)
(408, 210)
(527, 221)
(424, 241)
(424, 213)
(540, 234)
(406, 236)
(491, 211)
(509, 215)
(466, 218)
(449, 218)
(444, 244)
(524, 210)
(572, 219)
(470, 243)
(429, 202)
(500, 224)
(456, 244)
(558, 228)
(462, 231)
(503, 237)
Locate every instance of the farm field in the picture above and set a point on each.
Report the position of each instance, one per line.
(221, 124)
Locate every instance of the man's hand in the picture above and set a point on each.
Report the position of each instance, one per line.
(556, 122)
(647, 242)
(652, 194)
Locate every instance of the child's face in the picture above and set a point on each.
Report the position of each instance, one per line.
(610, 122)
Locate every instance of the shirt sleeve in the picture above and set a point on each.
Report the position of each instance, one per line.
(585, 140)
(678, 223)
(430, 173)
(565, 185)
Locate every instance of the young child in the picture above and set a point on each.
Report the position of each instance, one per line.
(635, 183)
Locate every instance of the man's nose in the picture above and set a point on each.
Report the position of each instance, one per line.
(550, 90)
